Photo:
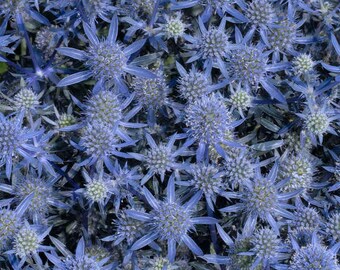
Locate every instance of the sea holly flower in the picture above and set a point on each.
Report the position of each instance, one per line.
(219, 6)
(42, 188)
(239, 168)
(161, 158)
(314, 256)
(100, 142)
(97, 189)
(94, 9)
(211, 45)
(266, 248)
(307, 219)
(174, 26)
(284, 36)
(318, 118)
(107, 61)
(333, 226)
(262, 16)
(207, 178)
(240, 98)
(123, 179)
(28, 244)
(79, 260)
(249, 64)
(170, 221)
(208, 121)
(299, 169)
(127, 229)
(11, 221)
(261, 199)
(110, 109)
(15, 140)
(194, 84)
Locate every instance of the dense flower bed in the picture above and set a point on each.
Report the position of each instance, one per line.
(169, 134)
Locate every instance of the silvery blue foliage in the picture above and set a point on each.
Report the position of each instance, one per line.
(169, 134)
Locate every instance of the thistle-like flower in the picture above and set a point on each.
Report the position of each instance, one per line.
(97, 188)
(207, 178)
(174, 26)
(298, 169)
(43, 194)
(27, 244)
(303, 64)
(104, 107)
(26, 99)
(333, 226)
(306, 218)
(266, 247)
(248, 64)
(100, 141)
(170, 221)
(211, 45)
(261, 199)
(261, 13)
(193, 84)
(240, 99)
(208, 119)
(314, 257)
(151, 93)
(127, 229)
(98, 8)
(80, 261)
(239, 168)
(14, 140)
(107, 60)
(11, 221)
(318, 118)
(161, 158)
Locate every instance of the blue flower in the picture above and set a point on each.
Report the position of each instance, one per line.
(44, 194)
(170, 221)
(249, 64)
(14, 139)
(261, 199)
(11, 221)
(106, 60)
(211, 45)
(80, 261)
(100, 142)
(314, 256)
(208, 122)
(161, 158)
(28, 244)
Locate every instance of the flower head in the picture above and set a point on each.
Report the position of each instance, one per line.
(26, 99)
(174, 26)
(104, 107)
(314, 257)
(266, 244)
(261, 199)
(239, 168)
(193, 84)
(26, 242)
(170, 221)
(333, 226)
(248, 63)
(299, 169)
(261, 13)
(107, 61)
(303, 64)
(208, 119)
(151, 92)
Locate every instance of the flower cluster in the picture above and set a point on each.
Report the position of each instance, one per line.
(169, 134)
